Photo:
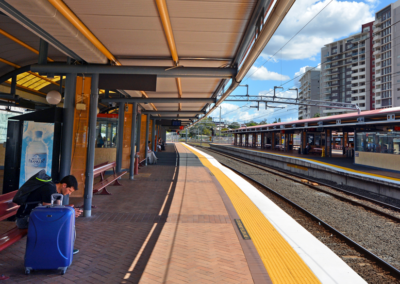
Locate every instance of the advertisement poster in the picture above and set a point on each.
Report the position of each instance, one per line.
(37, 149)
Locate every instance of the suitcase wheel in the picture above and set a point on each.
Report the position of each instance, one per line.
(63, 271)
(27, 271)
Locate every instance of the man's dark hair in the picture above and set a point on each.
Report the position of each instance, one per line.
(70, 181)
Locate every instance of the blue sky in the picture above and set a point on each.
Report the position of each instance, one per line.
(338, 20)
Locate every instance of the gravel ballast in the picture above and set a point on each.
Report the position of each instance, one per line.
(376, 233)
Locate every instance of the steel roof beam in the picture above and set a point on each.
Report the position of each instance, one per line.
(16, 15)
(158, 100)
(250, 30)
(201, 72)
(173, 117)
(173, 112)
(132, 57)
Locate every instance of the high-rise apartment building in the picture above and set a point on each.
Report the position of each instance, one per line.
(346, 70)
(309, 90)
(386, 51)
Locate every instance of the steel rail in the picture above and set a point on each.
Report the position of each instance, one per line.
(348, 240)
(262, 167)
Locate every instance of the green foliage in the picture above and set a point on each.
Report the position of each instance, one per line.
(251, 123)
(206, 131)
(234, 125)
(224, 129)
(262, 122)
(317, 115)
(279, 119)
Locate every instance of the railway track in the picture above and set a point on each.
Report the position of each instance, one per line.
(364, 251)
(295, 178)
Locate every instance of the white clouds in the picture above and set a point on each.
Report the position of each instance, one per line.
(339, 19)
(262, 73)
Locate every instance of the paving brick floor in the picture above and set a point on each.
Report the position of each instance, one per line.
(198, 244)
(111, 239)
(169, 225)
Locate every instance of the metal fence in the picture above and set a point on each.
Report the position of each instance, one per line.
(173, 137)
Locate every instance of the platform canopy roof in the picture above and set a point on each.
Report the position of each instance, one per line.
(173, 34)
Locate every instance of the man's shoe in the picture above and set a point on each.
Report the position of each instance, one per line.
(75, 251)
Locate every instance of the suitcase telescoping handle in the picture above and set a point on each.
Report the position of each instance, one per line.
(56, 196)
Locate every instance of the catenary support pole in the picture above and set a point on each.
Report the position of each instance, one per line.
(88, 195)
(133, 140)
(68, 128)
(147, 137)
(120, 136)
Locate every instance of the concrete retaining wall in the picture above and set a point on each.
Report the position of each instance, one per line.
(370, 183)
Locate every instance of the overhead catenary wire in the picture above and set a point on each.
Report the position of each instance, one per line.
(247, 77)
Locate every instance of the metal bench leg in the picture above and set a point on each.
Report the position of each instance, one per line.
(116, 183)
(104, 192)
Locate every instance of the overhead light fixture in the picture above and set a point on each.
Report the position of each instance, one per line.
(53, 97)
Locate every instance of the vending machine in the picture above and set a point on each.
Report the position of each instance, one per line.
(33, 144)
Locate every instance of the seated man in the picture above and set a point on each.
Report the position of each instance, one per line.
(42, 195)
(150, 155)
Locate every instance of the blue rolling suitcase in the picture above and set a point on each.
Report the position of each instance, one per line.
(51, 235)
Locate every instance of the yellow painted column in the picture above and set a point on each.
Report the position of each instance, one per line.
(79, 142)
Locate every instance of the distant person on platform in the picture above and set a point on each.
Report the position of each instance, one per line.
(150, 155)
(159, 143)
(308, 148)
(100, 141)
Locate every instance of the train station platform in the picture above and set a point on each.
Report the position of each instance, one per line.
(187, 219)
(338, 169)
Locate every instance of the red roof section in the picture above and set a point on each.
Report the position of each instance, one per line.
(332, 117)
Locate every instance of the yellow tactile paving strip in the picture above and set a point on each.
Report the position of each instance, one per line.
(282, 262)
(327, 164)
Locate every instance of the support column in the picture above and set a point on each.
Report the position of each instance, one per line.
(68, 128)
(286, 142)
(345, 141)
(88, 194)
(262, 142)
(43, 50)
(153, 136)
(304, 141)
(133, 141)
(147, 137)
(120, 136)
(328, 143)
(273, 141)
(139, 129)
(186, 135)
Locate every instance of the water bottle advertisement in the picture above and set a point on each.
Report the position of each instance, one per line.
(37, 149)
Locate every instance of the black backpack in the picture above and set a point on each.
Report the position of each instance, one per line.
(33, 183)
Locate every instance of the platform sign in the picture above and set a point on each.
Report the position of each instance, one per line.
(37, 149)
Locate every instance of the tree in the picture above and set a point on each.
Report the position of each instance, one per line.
(317, 115)
(206, 131)
(251, 123)
(279, 119)
(234, 125)
(262, 122)
(275, 121)
(224, 129)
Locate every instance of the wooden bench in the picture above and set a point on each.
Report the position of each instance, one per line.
(315, 151)
(9, 209)
(100, 170)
